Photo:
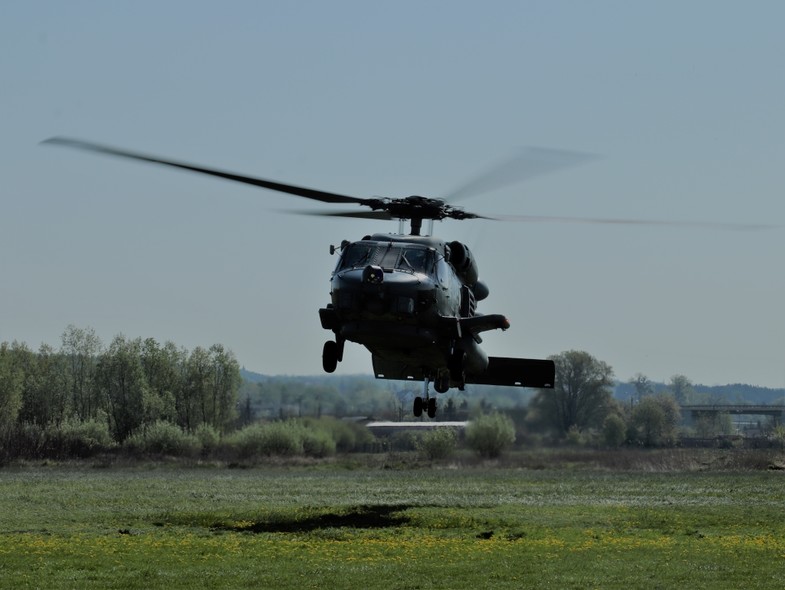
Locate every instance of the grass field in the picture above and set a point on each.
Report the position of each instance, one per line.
(360, 525)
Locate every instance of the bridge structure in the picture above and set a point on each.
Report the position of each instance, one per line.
(694, 411)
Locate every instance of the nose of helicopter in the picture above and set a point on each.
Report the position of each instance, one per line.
(380, 292)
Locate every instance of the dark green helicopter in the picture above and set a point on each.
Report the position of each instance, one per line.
(411, 300)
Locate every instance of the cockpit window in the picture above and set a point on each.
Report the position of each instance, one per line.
(389, 257)
(416, 259)
(356, 255)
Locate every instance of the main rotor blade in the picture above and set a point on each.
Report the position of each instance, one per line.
(384, 215)
(661, 222)
(308, 193)
(526, 164)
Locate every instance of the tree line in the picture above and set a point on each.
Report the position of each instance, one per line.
(127, 386)
(135, 392)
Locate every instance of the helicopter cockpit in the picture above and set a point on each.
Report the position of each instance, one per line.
(390, 256)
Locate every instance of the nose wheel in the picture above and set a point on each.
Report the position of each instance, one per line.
(425, 404)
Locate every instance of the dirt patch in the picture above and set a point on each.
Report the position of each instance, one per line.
(358, 517)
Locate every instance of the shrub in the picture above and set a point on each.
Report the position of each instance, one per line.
(82, 439)
(317, 442)
(490, 435)
(574, 437)
(438, 443)
(405, 441)
(273, 438)
(208, 438)
(348, 436)
(162, 438)
(338, 435)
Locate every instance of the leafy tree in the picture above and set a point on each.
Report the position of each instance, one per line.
(656, 419)
(582, 393)
(681, 388)
(163, 369)
(614, 430)
(120, 377)
(224, 383)
(192, 404)
(23, 364)
(46, 396)
(81, 348)
(11, 387)
(649, 419)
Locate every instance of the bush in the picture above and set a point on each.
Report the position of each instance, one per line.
(162, 438)
(574, 437)
(490, 435)
(405, 441)
(75, 438)
(317, 443)
(208, 438)
(438, 443)
(348, 436)
(24, 440)
(274, 438)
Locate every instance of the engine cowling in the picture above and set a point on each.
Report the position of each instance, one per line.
(464, 263)
(480, 291)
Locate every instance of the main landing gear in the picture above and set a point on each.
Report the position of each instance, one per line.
(456, 367)
(332, 354)
(427, 403)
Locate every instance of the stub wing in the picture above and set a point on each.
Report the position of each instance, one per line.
(501, 371)
(483, 323)
(516, 373)
(455, 327)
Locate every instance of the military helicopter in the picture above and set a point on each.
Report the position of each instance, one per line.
(410, 299)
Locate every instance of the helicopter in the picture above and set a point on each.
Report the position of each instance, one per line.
(411, 298)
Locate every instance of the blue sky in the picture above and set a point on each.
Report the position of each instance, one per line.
(680, 101)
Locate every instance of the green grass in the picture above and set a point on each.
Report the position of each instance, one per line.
(328, 526)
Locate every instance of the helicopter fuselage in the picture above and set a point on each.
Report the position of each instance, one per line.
(406, 298)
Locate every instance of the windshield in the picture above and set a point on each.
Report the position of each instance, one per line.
(407, 258)
(416, 259)
(357, 254)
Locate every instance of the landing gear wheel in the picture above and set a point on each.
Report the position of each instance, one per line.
(417, 406)
(330, 356)
(442, 384)
(432, 407)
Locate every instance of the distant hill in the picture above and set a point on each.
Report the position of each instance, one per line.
(738, 393)
(732, 393)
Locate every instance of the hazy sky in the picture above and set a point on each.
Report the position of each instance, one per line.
(683, 102)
